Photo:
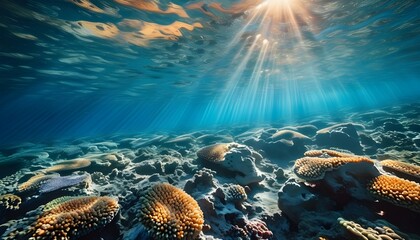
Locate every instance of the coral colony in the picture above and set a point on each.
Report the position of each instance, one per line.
(292, 182)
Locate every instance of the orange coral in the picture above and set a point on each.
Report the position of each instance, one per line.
(70, 217)
(401, 167)
(170, 213)
(10, 201)
(314, 168)
(215, 152)
(396, 190)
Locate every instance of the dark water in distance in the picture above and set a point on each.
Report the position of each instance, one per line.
(80, 68)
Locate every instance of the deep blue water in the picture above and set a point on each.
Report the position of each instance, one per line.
(117, 67)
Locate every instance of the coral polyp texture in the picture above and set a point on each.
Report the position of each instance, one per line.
(398, 191)
(215, 152)
(356, 231)
(314, 168)
(167, 212)
(10, 201)
(69, 165)
(69, 218)
(235, 193)
(253, 229)
(401, 167)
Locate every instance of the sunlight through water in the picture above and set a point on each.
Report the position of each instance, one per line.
(262, 49)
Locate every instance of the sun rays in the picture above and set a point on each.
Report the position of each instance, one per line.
(269, 50)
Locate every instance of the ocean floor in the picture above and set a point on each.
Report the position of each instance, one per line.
(349, 178)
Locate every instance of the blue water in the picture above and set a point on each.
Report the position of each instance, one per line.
(114, 67)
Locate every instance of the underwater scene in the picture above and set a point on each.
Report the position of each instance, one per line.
(209, 119)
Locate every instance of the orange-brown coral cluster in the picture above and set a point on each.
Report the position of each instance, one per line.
(396, 190)
(10, 201)
(215, 152)
(401, 167)
(314, 168)
(170, 213)
(70, 217)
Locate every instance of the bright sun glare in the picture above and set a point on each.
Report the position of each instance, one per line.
(265, 47)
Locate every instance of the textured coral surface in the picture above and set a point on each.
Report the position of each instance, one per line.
(396, 190)
(402, 167)
(70, 217)
(314, 168)
(170, 213)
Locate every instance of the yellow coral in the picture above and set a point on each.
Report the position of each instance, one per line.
(401, 167)
(396, 190)
(68, 218)
(215, 152)
(69, 165)
(358, 232)
(34, 182)
(10, 201)
(314, 168)
(170, 213)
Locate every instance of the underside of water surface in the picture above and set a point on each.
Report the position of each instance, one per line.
(242, 119)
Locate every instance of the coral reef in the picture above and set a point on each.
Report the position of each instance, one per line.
(215, 152)
(169, 213)
(251, 229)
(235, 193)
(68, 218)
(397, 191)
(356, 231)
(35, 182)
(235, 158)
(203, 180)
(314, 168)
(10, 201)
(59, 182)
(401, 168)
(247, 183)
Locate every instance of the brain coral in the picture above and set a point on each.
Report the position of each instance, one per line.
(68, 218)
(170, 213)
(356, 231)
(396, 190)
(401, 167)
(314, 168)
